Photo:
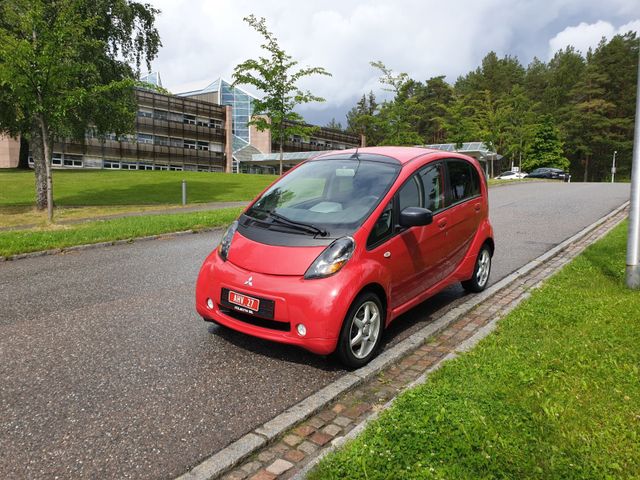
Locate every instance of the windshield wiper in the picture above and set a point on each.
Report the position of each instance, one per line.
(307, 227)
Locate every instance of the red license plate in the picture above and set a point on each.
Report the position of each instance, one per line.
(244, 301)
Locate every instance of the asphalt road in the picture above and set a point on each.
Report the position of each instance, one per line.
(106, 370)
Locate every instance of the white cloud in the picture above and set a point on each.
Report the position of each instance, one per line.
(204, 39)
(588, 35)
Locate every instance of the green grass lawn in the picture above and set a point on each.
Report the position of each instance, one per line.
(99, 187)
(33, 240)
(553, 393)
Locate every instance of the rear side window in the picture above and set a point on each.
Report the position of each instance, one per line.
(432, 178)
(463, 181)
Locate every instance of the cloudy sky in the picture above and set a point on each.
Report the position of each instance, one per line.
(205, 39)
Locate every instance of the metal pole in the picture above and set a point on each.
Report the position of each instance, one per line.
(184, 192)
(613, 167)
(633, 239)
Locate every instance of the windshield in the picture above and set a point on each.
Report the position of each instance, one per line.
(332, 196)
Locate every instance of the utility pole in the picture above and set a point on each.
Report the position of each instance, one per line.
(613, 167)
(633, 238)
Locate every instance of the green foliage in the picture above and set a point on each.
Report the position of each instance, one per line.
(275, 78)
(552, 393)
(591, 101)
(65, 67)
(546, 149)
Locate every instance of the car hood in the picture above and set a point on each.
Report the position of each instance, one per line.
(271, 259)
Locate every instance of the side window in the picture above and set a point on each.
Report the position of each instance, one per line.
(383, 227)
(433, 183)
(410, 195)
(461, 182)
(475, 181)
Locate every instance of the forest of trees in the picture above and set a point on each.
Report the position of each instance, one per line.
(572, 112)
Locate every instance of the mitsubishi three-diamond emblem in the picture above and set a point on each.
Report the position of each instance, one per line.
(249, 281)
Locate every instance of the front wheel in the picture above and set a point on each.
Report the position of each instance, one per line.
(478, 282)
(361, 331)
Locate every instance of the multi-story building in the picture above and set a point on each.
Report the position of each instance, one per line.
(172, 133)
(252, 149)
(204, 130)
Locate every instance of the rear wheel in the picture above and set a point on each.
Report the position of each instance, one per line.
(478, 282)
(361, 331)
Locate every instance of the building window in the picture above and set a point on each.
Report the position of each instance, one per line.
(128, 166)
(145, 113)
(189, 144)
(203, 146)
(176, 142)
(161, 114)
(216, 147)
(111, 165)
(213, 123)
(145, 138)
(56, 160)
(72, 161)
(159, 140)
(175, 168)
(190, 119)
(145, 166)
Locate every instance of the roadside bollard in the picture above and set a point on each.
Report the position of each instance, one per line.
(184, 192)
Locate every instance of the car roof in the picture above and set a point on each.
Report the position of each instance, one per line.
(402, 154)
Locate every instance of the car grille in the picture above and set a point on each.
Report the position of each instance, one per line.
(257, 321)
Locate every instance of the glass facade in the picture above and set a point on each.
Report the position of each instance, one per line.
(241, 102)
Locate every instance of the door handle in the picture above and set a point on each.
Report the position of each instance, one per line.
(442, 223)
(477, 207)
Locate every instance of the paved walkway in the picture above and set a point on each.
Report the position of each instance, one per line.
(200, 207)
(293, 453)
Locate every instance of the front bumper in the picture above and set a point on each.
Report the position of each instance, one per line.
(318, 304)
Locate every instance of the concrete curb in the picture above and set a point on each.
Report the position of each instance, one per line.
(91, 246)
(228, 457)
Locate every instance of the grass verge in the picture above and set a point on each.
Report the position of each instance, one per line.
(33, 240)
(554, 392)
(99, 187)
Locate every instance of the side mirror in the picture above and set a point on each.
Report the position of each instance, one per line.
(415, 217)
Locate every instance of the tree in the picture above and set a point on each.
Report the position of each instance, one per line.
(273, 76)
(361, 119)
(546, 148)
(334, 124)
(65, 67)
(397, 117)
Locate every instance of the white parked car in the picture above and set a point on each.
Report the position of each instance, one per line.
(510, 175)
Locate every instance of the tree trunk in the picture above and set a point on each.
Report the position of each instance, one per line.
(586, 169)
(23, 162)
(46, 149)
(39, 166)
(281, 145)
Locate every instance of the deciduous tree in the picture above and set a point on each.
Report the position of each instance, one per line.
(275, 76)
(65, 66)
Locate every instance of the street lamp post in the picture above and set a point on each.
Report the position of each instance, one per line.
(633, 238)
(613, 167)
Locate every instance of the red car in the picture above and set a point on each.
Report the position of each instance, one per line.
(335, 250)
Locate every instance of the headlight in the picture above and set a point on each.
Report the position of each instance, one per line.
(225, 243)
(332, 259)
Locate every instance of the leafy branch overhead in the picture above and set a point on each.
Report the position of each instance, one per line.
(277, 79)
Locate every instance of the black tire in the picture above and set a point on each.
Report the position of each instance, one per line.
(347, 352)
(480, 279)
